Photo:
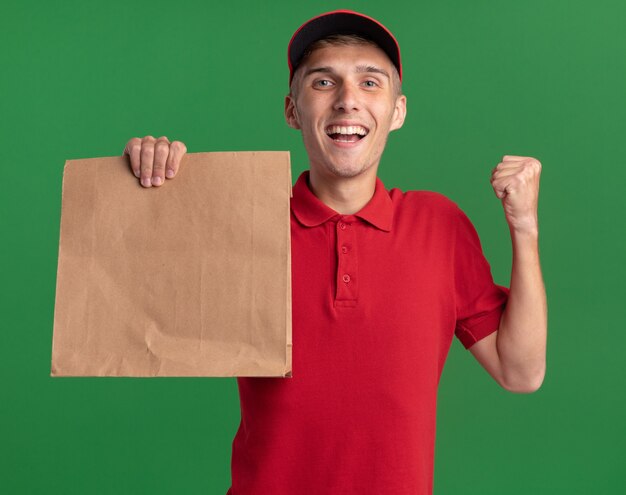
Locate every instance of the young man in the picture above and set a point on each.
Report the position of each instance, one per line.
(382, 281)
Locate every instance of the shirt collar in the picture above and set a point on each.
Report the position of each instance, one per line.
(311, 211)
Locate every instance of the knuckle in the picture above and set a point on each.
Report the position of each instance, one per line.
(530, 169)
(132, 145)
(149, 139)
(179, 146)
(161, 147)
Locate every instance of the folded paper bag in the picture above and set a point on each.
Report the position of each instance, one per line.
(192, 278)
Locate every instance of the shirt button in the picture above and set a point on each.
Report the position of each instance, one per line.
(342, 226)
(344, 249)
(346, 278)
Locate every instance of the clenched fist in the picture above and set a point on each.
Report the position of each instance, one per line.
(152, 160)
(515, 181)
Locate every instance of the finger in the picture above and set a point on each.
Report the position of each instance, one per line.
(506, 185)
(147, 160)
(500, 184)
(508, 165)
(514, 158)
(499, 190)
(504, 172)
(502, 166)
(133, 150)
(161, 150)
(177, 150)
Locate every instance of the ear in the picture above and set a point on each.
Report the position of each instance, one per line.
(399, 113)
(291, 113)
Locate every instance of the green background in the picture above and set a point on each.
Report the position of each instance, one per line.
(483, 79)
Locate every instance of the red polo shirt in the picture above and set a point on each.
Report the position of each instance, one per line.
(377, 299)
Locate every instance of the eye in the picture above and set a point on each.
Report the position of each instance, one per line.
(370, 84)
(323, 83)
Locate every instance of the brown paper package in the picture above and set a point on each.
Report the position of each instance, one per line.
(192, 278)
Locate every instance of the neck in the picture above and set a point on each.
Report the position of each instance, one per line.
(344, 195)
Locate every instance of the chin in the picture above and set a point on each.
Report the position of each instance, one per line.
(346, 172)
(352, 170)
(345, 169)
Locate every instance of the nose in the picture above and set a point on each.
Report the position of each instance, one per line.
(347, 98)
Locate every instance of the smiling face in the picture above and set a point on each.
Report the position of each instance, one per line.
(345, 105)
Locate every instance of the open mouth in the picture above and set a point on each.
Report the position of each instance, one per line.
(346, 134)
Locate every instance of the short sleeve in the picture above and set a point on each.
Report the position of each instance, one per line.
(479, 301)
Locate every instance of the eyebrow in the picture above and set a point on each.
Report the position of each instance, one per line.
(359, 69)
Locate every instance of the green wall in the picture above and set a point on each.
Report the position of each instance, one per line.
(483, 79)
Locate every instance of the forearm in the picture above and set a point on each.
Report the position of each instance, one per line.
(521, 340)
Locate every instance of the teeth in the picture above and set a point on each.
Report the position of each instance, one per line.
(352, 129)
